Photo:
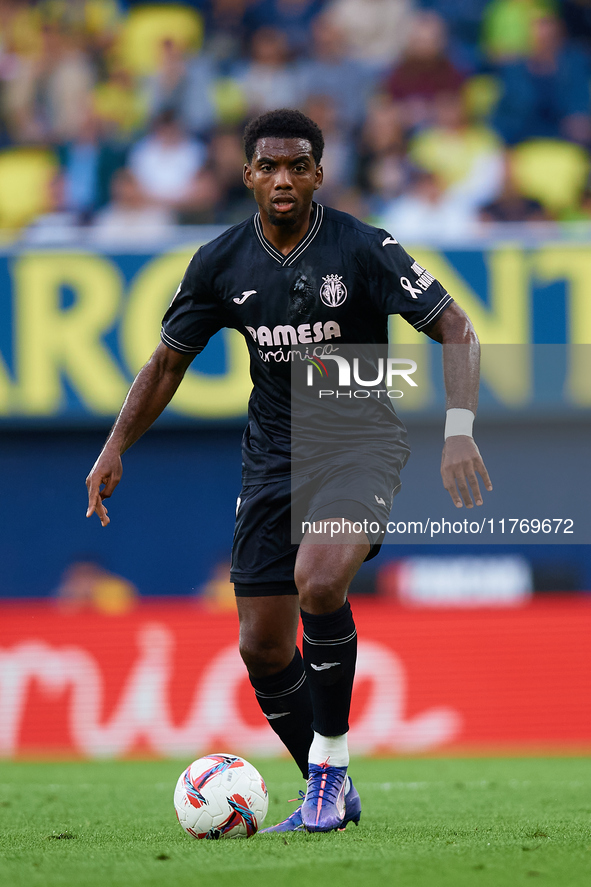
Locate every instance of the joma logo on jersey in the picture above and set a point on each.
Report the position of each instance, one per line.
(304, 334)
(333, 291)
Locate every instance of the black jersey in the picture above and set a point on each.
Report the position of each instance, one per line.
(338, 286)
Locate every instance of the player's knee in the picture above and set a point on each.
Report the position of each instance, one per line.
(320, 593)
(264, 657)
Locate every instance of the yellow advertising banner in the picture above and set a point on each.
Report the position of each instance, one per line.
(76, 326)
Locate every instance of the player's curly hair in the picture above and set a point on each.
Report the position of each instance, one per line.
(284, 123)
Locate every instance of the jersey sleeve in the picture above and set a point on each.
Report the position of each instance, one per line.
(399, 285)
(194, 315)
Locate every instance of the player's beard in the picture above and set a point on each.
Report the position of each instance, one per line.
(285, 220)
(282, 221)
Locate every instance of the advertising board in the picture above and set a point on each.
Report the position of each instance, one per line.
(166, 680)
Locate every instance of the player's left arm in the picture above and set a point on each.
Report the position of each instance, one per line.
(461, 460)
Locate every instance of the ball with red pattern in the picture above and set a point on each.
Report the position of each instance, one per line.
(221, 796)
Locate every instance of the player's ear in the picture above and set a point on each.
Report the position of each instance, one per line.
(319, 177)
(247, 176)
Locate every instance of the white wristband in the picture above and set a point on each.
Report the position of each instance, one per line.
(458, 422)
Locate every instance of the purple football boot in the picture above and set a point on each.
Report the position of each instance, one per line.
(294, 822)
(331, 800)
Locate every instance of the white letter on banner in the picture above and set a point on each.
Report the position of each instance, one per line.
(143, 710)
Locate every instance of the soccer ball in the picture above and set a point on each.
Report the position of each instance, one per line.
(221, 796)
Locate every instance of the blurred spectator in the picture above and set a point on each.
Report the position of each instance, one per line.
(425, 70)
(64, 82)
(338, 158)
(226, 161)
(270, 80)
(547, 94)
(166, 161)
(20, 27)
(467, 157)
(225, 32)
(88, 164)
(354, 202)
(48, 93)
(86, 584)
(57, 225)
(185, 86)
(120, 105)
(375, 31)
(511, 205)
(149, 24)
(201, 205)
(464, 22)
(129, 219)
(331, 72)
(429, 212)
(293, 17)
(507, 27)
(101, 21)
(576, 15)
(383, 169)
(11, 49)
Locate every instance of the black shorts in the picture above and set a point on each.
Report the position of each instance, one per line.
(269, 519)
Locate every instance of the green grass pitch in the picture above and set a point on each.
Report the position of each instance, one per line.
(446, 822)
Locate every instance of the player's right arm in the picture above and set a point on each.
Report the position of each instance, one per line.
(152, 390)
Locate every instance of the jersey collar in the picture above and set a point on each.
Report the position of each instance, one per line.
(301, 247)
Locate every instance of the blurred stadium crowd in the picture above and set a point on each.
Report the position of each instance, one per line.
(438, 114)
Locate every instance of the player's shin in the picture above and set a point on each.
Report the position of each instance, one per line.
(330, 653)
(285, 701)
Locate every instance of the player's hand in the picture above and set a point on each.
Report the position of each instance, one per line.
(106, 470)
(460, 461)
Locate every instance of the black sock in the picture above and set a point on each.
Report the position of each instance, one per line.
(285, 701)
(330, 651)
